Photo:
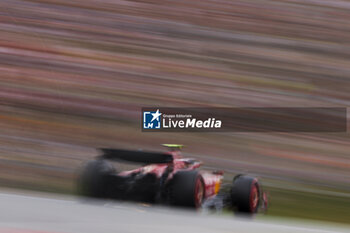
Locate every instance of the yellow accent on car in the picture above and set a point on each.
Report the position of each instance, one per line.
(217, 187)
(176, 146)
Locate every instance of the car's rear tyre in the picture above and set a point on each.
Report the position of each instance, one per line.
(245, 195)
(94, 179)
(187, 189)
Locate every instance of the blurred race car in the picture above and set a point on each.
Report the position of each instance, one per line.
(168, 178)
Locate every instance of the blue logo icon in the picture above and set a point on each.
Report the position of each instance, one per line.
(151, 120)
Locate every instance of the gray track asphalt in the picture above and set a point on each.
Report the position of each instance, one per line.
(29, 213)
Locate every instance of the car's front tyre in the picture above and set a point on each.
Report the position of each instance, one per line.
(245, 195)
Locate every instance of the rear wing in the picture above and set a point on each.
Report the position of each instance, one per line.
(135, 156)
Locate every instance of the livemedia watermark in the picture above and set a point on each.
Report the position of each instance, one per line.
(159, 119)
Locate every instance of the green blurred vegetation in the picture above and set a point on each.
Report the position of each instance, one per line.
(306, 205)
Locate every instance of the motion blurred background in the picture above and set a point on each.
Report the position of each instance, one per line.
(75, 74)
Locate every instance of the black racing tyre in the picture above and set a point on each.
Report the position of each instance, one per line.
(93, 180)
(245, 194)
(187, 189)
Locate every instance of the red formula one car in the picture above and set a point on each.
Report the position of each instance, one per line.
(168, 178)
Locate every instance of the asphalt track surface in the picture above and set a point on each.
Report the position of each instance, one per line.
(36, 213)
